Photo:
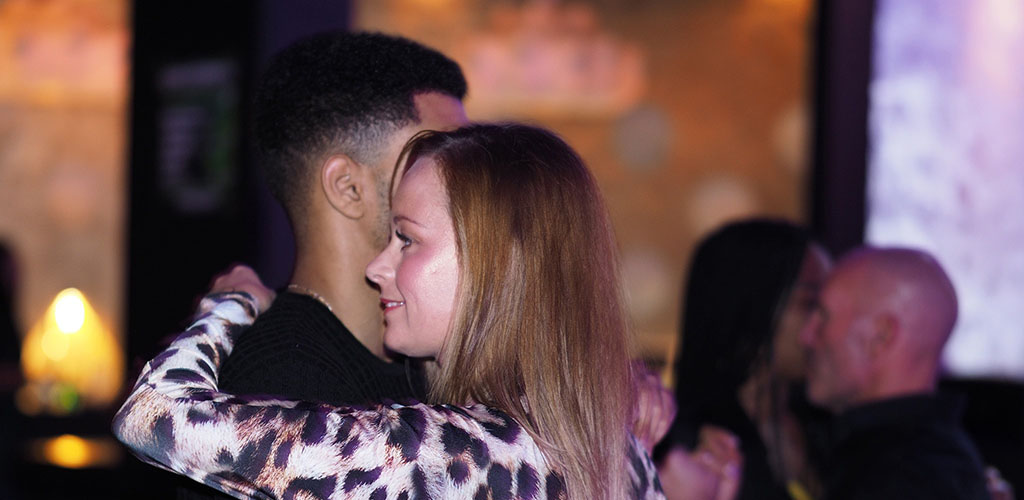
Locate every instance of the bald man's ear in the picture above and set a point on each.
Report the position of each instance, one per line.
(345, 184)
(886, 331)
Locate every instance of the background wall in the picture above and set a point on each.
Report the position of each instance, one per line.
(63, 83)
(944, 172)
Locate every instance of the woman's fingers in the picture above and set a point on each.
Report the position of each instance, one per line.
(722, 444)
(998, 487)
(241, 278)
(655, 409)
(719, 450)
(685, 476)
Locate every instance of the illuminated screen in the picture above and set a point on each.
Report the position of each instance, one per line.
(946, 165)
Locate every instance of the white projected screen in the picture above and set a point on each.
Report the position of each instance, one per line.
(946, 165)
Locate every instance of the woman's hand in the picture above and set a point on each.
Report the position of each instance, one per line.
(711, 472)
(719, 450)
(998, 487)
(241, 278)
(655, 408)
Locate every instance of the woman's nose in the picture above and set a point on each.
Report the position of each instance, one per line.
(380, 269)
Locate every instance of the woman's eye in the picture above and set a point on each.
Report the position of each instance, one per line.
(406, 241)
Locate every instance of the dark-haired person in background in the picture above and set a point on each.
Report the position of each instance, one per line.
(752, 285)
(874, 345)
(332, 114)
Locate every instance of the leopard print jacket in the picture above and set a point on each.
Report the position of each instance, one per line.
(262, 448)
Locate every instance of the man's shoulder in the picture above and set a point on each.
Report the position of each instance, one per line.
(293, 318)
(922, 444)
(283, 346)
(932, 460)
(298, 349)
(910, 477)
(295, 325)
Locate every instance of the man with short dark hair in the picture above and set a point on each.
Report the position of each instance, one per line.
(874, 349)
(332, 114)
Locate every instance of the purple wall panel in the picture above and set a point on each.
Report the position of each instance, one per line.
(946, 162)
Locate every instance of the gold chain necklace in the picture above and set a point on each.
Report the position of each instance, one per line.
(308, 292)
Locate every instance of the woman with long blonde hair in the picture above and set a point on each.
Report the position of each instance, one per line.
(501, 267)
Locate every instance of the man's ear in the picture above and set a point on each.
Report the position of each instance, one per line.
(345, 183)
(884, 334)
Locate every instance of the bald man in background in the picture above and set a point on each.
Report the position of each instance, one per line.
(874, 349)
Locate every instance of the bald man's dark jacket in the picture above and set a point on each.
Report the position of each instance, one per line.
(905, 448)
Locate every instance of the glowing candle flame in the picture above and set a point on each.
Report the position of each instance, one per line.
(71, 362)
(69, 310)
(55, 345)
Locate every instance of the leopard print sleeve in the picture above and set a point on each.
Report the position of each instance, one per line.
(249, 448)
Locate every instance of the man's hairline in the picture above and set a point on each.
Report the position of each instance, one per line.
(393, 128)
(299, 206)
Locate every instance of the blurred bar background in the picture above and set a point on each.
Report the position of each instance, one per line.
(127, 180)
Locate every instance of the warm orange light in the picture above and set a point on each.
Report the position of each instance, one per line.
(433, 4)
(55, 345)
(70, 360)
(69, 310)
(74, 452)
(802, 4)
(67, 451)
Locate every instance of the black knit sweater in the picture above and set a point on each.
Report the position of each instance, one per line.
(298, 349)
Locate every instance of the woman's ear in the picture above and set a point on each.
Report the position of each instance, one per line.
(345, 183)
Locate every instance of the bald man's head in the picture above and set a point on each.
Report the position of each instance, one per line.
(884, 317)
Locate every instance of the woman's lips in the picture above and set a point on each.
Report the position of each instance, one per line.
(388, 304)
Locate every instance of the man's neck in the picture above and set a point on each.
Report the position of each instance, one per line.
(339, 280)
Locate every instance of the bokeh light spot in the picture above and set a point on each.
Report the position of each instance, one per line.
(67, 451)
(69, 310)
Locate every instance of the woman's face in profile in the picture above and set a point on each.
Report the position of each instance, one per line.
(418, 270)
(789, 361)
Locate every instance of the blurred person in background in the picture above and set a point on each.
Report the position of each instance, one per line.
(874, 346)
(752, 286)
